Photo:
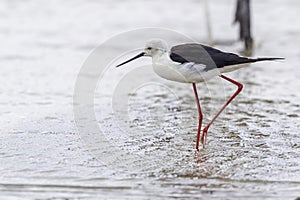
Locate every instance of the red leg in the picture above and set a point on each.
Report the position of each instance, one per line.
(240, 87)
(200, 116)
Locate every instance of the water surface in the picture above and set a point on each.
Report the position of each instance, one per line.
(252, 149)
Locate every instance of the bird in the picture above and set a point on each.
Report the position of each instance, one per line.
(195, 63)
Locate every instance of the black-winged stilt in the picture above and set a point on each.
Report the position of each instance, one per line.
(194, 63)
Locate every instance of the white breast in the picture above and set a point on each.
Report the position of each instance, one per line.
(184, 73)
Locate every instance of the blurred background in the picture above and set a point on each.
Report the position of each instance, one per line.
(253, 149)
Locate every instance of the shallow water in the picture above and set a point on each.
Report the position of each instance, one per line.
(252, 149)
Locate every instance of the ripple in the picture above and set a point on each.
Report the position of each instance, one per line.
(293, 115)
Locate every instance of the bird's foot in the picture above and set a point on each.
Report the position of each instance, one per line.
(204, 136)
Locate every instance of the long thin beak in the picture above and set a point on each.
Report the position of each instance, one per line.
(131, 59)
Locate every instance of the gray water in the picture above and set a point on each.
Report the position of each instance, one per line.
(252, 151)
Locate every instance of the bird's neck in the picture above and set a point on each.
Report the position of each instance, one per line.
(159, 57)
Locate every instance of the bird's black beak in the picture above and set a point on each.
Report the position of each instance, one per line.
(131, 59)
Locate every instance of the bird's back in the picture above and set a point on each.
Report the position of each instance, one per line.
(201, 54)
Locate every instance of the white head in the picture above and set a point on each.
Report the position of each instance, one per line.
(155, 47)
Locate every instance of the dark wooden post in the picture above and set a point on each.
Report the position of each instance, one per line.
(243, 17)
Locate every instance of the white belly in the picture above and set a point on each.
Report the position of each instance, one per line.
(184, 73)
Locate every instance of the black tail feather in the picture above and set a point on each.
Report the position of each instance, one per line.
(244, 60)
(265, 59)
(234, 59)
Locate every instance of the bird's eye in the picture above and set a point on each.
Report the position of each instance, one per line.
(149, 48)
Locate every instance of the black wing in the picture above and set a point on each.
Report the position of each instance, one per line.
(201, 54)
